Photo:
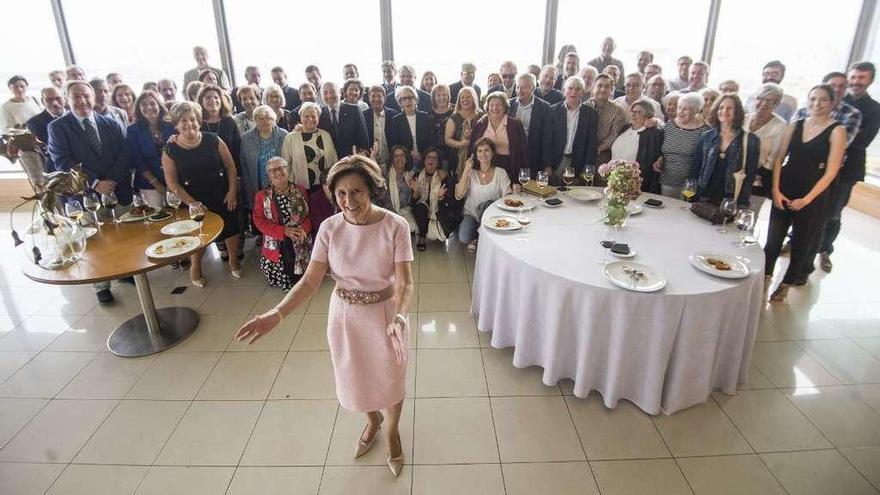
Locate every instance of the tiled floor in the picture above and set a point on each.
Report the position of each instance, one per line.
(212, 416)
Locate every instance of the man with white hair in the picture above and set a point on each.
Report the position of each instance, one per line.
(604, 60)
(545, 89)
(200, 54)
(574, 125)
(534, 113)
(508, 80)
(344, 121)
(407, 76)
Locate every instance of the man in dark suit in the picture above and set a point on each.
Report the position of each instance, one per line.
(534, 113)
(40, 161)
(343, 121)
(570, 65)
(546, 90)
(468, 74)
(389, 77)
(378, 119)
(95, 142)
(291, 95)
(407, 78)
(508, 80)
(574, 126)
(402, 133)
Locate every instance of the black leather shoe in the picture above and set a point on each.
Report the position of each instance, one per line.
(104, 296)
(127, 280)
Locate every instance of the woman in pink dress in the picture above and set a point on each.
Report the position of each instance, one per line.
(368, 252)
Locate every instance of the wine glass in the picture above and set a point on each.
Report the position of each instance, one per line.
(523, 220)
(543, 179)
(109, 201)
(93, 204)
(609, 233)
(728, 210)
(568, 176)
(197, 213)
(525, 175)
(588, 174)
(140, 204)
(688, 191)
(173, 200)
(745, 222)
(73, 210)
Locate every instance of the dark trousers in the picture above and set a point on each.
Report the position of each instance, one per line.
(420, 211)
(839, 194)
(806, 225)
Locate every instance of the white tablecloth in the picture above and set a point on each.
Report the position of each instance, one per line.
(547, 297)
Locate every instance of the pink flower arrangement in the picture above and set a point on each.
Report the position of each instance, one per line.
(624, 180)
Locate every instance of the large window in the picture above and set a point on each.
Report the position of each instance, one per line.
(143, 41)
(440, 36)
(30, 49)
(667, 29)
(811, 40)
(328, 34)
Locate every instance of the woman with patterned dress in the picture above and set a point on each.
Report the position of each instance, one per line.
(281, 214)
(368, 252)
(310, 152)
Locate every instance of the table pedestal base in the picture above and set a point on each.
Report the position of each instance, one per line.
(133, 339)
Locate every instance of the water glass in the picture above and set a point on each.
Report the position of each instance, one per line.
(588, 174)
(745, 222)
(92, 203)
(172, 199)
(568, 176)
(543, 179)
(525, 175)
(728, 210)
(73, 210)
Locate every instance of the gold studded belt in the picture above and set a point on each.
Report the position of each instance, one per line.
(355, 296)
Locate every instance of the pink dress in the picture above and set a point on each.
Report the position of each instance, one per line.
(362, 257)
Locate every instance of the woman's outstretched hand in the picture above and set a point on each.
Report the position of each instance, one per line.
(257, 327)
(395, 333)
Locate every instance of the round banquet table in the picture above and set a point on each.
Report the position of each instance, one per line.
(545, 294)
(117, 251)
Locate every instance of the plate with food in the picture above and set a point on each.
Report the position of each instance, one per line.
(720, 264)
(584, 195)
(634, 276)
(502, 223)
(173, 247)
(138, 213)
(180, 228)
(160, 216)
(514, 203)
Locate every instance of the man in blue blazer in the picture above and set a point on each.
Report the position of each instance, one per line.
(54, 103)
(95, 142)
(344, 122)
(534, 113)
(575, 141)
(407, 78)
(468, 74)
(508, 80)
(401, 132)
(379, 116)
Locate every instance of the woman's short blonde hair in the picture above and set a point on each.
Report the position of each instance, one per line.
(184, 108)
(471, 91)
(398, 93)
(360, 165)
(308, 105)
(274, 89)
(265, 111)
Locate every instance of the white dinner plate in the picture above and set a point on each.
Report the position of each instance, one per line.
(180, 228)
(634, 209)
(128, 217)
(502, 223)
(173, 247)
(584, 195)
(738, 269)
(650, 280)
(90, 231)
(527, 204)
(632, 254)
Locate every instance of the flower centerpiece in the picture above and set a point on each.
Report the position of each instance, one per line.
(624, 181)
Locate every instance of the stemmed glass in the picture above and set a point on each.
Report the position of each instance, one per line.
(728, 210)
(197, 213)
(138, 201)
(588, 174)
(568, 176)
(93, 204)
(173, 200)
(525, 175)
(688, 191)
(109, 201)
(609, 233)
(73, 210)
(523, 220)
(745, 221)
(543, 179)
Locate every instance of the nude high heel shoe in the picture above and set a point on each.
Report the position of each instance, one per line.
(364, 447)
(395, 464)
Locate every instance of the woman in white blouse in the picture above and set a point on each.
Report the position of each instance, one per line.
(638, 143)
(481, 185)
(16, 111)
(770, 128)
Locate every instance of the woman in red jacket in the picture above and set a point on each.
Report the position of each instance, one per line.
(281, 213)
(506, 132)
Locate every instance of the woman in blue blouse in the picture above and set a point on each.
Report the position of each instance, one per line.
(258, 145)
(146, 136)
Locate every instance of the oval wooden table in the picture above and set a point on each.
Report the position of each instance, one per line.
(118, 251)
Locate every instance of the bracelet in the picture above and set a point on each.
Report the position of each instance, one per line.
(402, 319)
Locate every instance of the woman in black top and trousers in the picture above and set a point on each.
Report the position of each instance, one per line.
(815, 148)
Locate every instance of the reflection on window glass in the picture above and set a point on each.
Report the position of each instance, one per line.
(440, 36)
(657, 27)
(142, 41)
(873, 54)
(328, 34)
(28, 54)
(810, 40)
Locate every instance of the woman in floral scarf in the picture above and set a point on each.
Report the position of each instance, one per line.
(281, 213)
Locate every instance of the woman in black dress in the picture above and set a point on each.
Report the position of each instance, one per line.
(199, 168)
(815, 148)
